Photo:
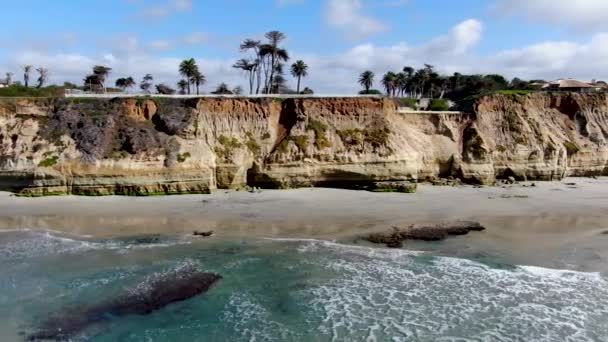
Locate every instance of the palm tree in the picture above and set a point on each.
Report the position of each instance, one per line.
(198, 79)
(182, 85)
(102, 73)
(249, 67)
(274, 53)
(9, 78)
(299, 69)
(27, 69)
(402, 83)
(188, 68)
(366, 79)
(43, 76)
(389, 81)
(250, 44)
(146, 83)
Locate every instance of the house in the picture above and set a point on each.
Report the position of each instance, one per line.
(4, 83)
(573, 86)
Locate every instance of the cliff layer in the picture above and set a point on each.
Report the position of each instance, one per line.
(150, 146)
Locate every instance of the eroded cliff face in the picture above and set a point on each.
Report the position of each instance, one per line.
(165, 146)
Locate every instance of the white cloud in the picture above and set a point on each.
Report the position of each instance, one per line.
(338, 73)
(579, 15)
(347, 16)
(166, 9)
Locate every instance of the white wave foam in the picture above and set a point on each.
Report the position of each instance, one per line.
(454, 299)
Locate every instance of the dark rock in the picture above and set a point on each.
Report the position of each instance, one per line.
(398, 186)
(605, 232)
(395, 238)
(154, 294)
(202, 234)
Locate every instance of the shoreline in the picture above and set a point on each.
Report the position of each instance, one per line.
(553, 224)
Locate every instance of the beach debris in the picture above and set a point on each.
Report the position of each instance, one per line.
(202, 233)
(158, 291)
(436, 232)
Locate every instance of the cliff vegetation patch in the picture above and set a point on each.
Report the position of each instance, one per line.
(48, 162)
(227, 148)
(572, 148)
(320, 130)
(182, 157)
(253, 145)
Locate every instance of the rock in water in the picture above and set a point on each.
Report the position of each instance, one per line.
(154, 294)
(395, 238)
(203, 234)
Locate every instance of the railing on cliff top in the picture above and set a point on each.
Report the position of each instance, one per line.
(278, 96)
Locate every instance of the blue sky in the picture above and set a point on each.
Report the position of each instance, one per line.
(337, 38)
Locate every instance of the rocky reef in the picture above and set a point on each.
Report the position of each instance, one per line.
(157, 292)
(149, 146)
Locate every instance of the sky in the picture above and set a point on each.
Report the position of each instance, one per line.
(338, 39)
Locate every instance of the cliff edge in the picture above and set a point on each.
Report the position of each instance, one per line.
(147, 146)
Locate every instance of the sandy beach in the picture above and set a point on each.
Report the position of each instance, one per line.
(556, 224)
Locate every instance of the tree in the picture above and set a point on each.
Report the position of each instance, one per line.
(366, 79)
(254, 45)
(238, 90)
(249, 67)
(188, 68)
(124, 83)
(389, 81)
(222, 89)
(43, 76)
(27, 69)
(198, 79)
(299, 69)
(101, 72)
(146, 83)
(274, 54)
(307, 91)
(9, 78)
(182, 85)
(164, 89)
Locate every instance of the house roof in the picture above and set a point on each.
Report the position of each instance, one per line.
(570, 83)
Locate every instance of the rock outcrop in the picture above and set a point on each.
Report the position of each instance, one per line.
(148, 146)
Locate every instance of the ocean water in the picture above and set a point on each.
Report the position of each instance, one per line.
(297, 290)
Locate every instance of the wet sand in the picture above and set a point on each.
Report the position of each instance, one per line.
(554, 224)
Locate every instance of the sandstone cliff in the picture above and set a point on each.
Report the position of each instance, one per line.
(149, 146)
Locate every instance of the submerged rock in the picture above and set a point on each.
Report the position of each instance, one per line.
(152, 295)
(203, 234)
(395, 238)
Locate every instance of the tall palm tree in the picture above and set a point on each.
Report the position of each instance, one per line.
(389, 81)
(102, 73)
(402, 83)
(249, 67)
(366, 79)
(187, 68)
(182, 85)
(274, 53)
(27, 69)
(146, 83)
(43, 76)
(254, 45)
(299, 69)
(198, 79)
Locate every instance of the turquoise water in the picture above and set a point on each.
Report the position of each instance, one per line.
(288, 290)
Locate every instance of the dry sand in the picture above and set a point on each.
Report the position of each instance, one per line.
(552, 224)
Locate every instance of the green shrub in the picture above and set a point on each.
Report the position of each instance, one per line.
(377, 137)
(439, 105)
(351, 137)
(572, 148)
(501, 148)
(228, 146)
(370, 92)
(266, 136)
(253, 146)
(22, 91)
(319, 128)
(182, 157)
(301, 141)
(48, 162)
(408, 102)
